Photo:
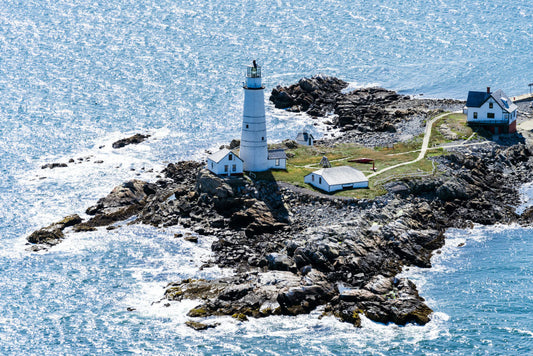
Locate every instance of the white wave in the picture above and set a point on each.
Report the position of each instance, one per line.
(520, 331)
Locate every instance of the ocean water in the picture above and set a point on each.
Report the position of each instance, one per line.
(77, 75)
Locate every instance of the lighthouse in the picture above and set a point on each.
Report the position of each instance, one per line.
(254, 149)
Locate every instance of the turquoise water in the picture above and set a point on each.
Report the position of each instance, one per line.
(77, 75)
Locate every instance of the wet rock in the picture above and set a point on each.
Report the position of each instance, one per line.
(301, 300)
(50, 235)
(280, 262)
(200, 326)
(54, 165)
(53, 234)
(135, 139)
(191, 238)
(130, 193)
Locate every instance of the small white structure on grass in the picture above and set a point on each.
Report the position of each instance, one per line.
(337, 178)
(225, 162)
(305, 139)
(493, 111)
(277, 159)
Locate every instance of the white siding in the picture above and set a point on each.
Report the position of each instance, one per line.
(317, 181)
(254, 149)
(334, 188)
(225, 165)
(278, 163)
(484, 110)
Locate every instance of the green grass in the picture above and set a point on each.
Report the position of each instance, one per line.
(304, 159)
(457, 125)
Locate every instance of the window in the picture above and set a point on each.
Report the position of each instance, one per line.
(490, 115)
(475, 115)
(277, 162)
(312, 177)
(491, 105)
(212, 165)
(234, 168)
(246, 126)
(262, 138)
(226, 168)
(230, 157)
(319, 180)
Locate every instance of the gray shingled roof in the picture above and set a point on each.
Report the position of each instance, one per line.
(504, 101)
(277, 154)
(477, 98)
(217, 156)
(303, 136)
(341, 175)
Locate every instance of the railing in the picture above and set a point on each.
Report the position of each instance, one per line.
(253, 72)
(489, 121)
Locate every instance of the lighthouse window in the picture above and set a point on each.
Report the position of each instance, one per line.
(230, 157)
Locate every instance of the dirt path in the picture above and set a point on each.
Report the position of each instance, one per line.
(423, 150)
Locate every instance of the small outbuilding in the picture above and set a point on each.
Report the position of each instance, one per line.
(305, 139)
(277, 159)
(225, 162)
(337, 178)
(493, 111)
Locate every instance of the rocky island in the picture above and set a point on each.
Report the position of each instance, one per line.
(293, 249)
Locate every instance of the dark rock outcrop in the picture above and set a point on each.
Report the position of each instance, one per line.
(53, 234)
(135, 139)
(360, 112)
(54, 165)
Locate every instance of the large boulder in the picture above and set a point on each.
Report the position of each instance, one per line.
(130, 193)
(212, 185)
(452, 190)
(50, 235)
(303, 299)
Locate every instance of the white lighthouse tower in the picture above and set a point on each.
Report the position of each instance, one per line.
(254, 149)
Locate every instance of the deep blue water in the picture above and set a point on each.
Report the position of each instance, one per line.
(77, 75)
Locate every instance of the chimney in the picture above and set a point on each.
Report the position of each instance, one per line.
(488, 90)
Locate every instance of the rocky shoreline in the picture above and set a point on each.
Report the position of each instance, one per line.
(293, 252)
(368, 116)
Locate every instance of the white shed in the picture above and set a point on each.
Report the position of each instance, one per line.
(305, 139)
(277, 159)
(224, 162)
(337, 178)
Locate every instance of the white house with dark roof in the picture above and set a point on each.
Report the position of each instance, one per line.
(305, 139)
(493, 111)
(277, 159)
(337, 178)
(225, 162)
